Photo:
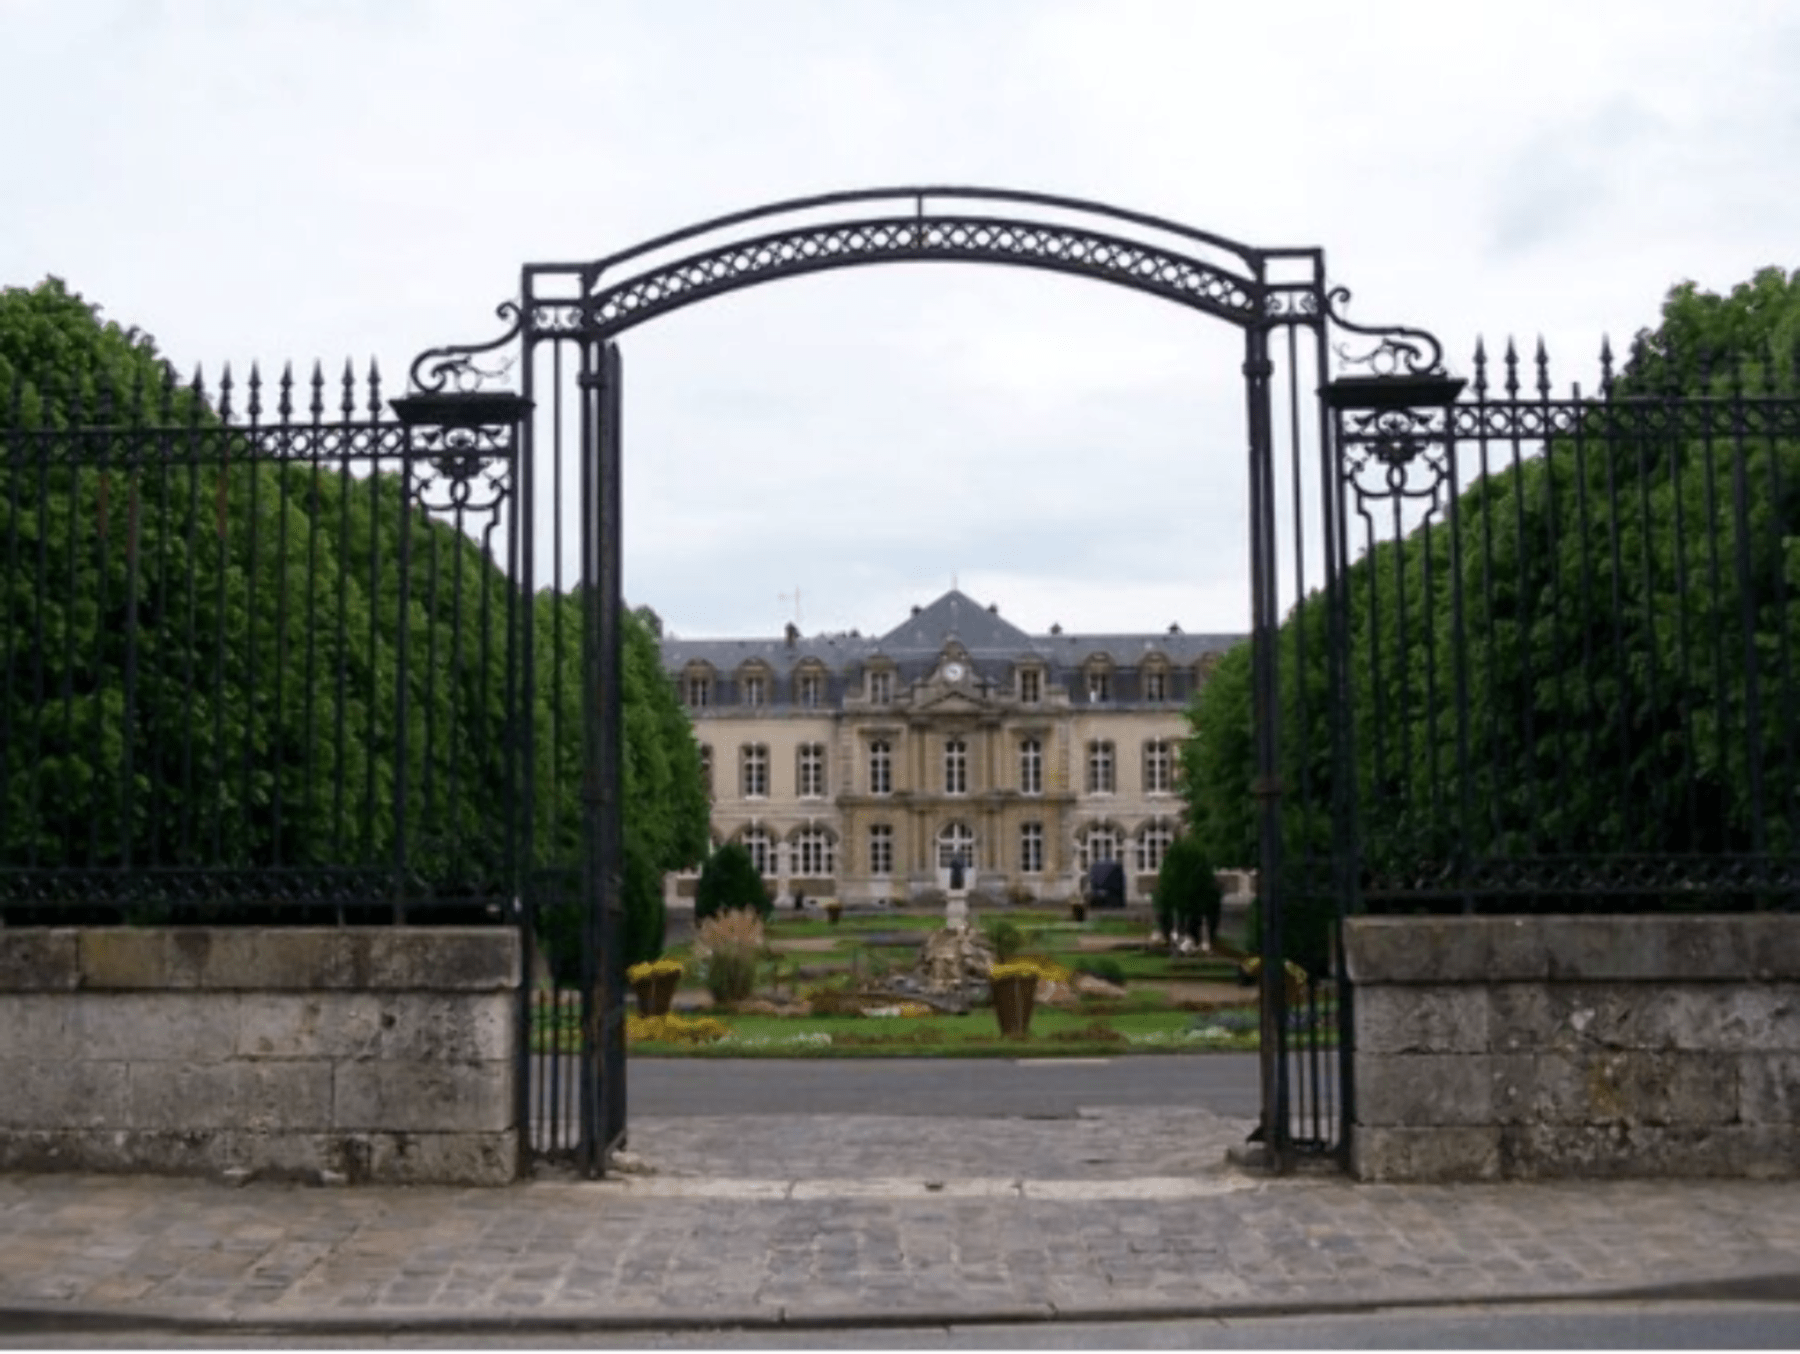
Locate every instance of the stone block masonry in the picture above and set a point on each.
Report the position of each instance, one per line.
(381, 1054)
(1591, 1046)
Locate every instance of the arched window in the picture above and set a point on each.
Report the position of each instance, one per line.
(1100, 842)
(1159, 767)
(956, 840)
(1031, 766)
(881, 767)
(753, 763)
(956, 767)
(753, 687)
(762, 850)
(696, 686)
(813, 852)
(1153, 844)
(1101, 775)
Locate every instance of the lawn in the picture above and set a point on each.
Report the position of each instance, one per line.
(810, 953)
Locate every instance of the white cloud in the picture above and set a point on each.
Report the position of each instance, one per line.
(331, 178)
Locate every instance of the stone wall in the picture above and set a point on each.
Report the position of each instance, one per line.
(361, 1054)
(1520, 1047)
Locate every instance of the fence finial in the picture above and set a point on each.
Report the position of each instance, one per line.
(374, 392)
(1480, 368)
(317, 408)
(255, 402)
(225, 394)
(1512, 370)
(1543, 369)
(348, 403)
(1606, 367)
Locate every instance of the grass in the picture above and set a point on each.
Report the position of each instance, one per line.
(1142, 1022)
(1054, 1033)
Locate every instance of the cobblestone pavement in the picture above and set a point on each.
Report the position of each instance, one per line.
(832, 1218)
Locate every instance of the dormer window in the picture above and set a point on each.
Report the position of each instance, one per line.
(881, 686)
(1099, 685)
(753, 690)
(809, 689)
(1153, 681)
(1031, 686)
(696, 688)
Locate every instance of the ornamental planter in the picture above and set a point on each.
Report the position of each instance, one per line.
(834, 913)
(656, 993)
(1077, 910)
(1013, 1000)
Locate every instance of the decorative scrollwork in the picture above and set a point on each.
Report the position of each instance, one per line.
(614, 307)
(453, 367)
(462, 470)
(1394, 453)
(1398, 351)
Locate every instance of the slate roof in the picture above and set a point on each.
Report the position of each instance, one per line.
(981, 631)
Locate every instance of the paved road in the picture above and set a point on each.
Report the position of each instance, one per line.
(979, 1088)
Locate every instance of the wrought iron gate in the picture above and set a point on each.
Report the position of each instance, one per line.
(1400, 762)
(565, 324)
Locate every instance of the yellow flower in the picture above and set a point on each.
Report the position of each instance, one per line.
(1031, 968)
(656, 968)
(674, 1029)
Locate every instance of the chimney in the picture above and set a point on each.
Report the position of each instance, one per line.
(793, 634)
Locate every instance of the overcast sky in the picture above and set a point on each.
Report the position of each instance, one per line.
(272, 180)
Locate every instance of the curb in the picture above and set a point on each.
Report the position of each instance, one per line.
(1777, 1288)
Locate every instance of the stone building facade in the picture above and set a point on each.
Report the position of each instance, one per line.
(858, 767)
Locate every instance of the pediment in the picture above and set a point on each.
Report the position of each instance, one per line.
(951, 702)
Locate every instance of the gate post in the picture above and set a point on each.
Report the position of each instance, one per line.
(1265, 697)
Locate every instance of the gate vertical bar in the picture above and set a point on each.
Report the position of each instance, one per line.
(612, 732)
(602, 994)
(1265, 694)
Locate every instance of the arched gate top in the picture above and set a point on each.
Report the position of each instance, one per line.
(1240, 284)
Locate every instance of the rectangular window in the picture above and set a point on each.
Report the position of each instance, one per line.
(881, 850)
(1100, 779)
(956, 767)
(1099, 685)
(812, 690)
(1031, 767)
(754, 759)
(1159, 759)
(706, 774)
(881, 767)
(1031, 848)
(753, 690)
(1031, 686)
(1156, 685)
(699, 691)
(812, 770)
(881, 687)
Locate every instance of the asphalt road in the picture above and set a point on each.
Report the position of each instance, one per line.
(1225, 1083)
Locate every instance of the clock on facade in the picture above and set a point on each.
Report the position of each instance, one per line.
(953, 672)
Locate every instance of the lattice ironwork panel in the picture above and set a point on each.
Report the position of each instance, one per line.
(614, 307)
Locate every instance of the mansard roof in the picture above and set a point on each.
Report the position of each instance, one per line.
(979, 630)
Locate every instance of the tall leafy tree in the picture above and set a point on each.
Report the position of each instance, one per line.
(214, 658)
